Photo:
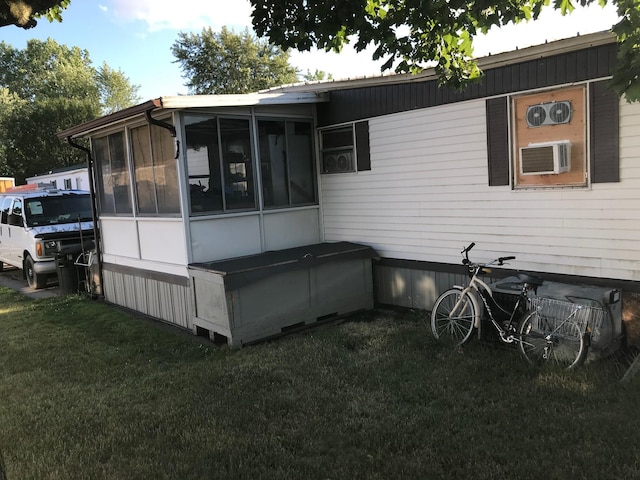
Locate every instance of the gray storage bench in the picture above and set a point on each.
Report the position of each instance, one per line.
(252, 298)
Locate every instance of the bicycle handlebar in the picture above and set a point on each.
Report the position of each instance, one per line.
(498, 261)
(465, 251)
(501, 260)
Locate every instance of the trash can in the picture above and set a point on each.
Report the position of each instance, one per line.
(67, 272)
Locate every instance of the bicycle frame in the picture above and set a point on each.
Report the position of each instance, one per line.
(478, 287)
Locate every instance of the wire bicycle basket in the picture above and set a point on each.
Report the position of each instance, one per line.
(555, 313)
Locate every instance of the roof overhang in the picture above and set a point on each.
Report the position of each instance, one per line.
(196, 101)
(521, 55)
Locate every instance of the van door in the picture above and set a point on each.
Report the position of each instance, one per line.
(15, 227)
(5, 204)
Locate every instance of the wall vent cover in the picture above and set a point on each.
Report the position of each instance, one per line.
(551, 113)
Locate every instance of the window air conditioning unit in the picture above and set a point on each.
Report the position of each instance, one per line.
(551, 113)
(545, 158)
(337, 162)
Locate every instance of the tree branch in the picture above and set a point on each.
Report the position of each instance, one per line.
(22, 12)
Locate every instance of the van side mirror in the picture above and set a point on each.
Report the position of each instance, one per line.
(15, 220)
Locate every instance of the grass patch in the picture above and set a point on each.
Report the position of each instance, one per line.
(91, 392)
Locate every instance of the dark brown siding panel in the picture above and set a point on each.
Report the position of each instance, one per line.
(362, 146)
(604, 65)
(498, 141)
(581, 66)
(361, 103)
(605, 162)
(532, 74)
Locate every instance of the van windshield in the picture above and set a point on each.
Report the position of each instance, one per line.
(66, 208)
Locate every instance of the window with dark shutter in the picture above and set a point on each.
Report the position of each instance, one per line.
(345, 149)
(602, 125)
(498, 141)
(604, 130)
(363, 153)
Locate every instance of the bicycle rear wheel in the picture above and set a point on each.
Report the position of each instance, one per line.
(544, 341)
(449, 326)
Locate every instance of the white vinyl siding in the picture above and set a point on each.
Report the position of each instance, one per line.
(427, 196)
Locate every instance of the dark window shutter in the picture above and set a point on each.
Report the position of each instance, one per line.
(362, 146)
(498, 141)
(604, 131)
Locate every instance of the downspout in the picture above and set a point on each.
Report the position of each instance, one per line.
(94, 211)
(168, 126)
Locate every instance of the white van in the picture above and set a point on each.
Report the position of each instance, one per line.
(36, 223)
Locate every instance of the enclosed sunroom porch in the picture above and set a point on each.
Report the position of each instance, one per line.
(182, 182)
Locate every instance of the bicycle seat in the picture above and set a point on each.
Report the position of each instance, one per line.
(531, 280)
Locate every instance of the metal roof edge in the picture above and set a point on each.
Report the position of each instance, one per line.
(54, 171)
(488, 62)
(243, 100)
(86, 127)
(195, 101)
(317, 92)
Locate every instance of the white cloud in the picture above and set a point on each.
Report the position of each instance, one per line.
(184, 14)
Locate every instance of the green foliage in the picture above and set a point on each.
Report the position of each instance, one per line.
(54, 14)
(45, 88)
(23, 13)
(116, 91)
(317, 75)
(227, 62)
(414, 34)
(90, 392)
(627, 76)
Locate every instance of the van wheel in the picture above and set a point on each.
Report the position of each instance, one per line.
(35, 281)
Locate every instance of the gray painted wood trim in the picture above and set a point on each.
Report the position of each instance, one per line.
(147, 274)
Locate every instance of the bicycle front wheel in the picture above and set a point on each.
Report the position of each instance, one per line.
(453, 317)
(546, 341)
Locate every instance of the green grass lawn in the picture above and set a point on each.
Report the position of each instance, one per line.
(90, 392)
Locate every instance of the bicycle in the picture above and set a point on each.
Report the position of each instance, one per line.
(457, 313)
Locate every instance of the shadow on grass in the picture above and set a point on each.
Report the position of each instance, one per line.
(91, 392)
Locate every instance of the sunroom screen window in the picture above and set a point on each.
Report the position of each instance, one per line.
(286, 161)
(113, 180)
(219, 164)
(155, 170)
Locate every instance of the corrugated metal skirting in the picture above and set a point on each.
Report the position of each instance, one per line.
(413, 288)
(165, 301)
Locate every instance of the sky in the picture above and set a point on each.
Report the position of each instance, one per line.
(136, 37)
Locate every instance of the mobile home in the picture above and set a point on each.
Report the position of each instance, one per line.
(540, 159)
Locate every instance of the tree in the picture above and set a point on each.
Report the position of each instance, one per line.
(226, 62)
(45, 88)
(412, 33)
(9, 103)
(22, 13)
(116, 92)
(317, 75)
